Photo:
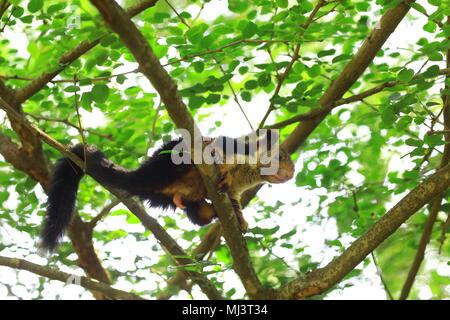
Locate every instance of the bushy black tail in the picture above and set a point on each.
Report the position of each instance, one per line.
(158, 170)
(64, 187)
(62, 194)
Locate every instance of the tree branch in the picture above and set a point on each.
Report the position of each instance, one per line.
(220, 49)
(53, 274)
(107, 209)
(209, 241)
(366, 53)
(295, 57)
(134, 207)
(150, 66)
(436, 205)
(320, 280)
(70, 124)
(67, 58)
(357, 97)
(14, 154)
(80, 235)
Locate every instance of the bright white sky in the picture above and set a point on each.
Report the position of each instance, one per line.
(367, 287)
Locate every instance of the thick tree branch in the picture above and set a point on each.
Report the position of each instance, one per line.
(79, 232)
(366, 53)
(53, 274)
(320, 280)
(31, 147)
(67, 58)
(151, 67)
(134, 207)
(14, 154)
(168, 243)
(31, 150)
(357, 97)
(207, 245)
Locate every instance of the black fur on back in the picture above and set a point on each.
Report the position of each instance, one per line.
(158, 170)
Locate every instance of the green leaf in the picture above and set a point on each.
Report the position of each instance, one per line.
(175, 41)
(119, 212)
(325, 53)
(223, 255)
(175, 30)
(388, 116)
(405, 75)
(362, 6)
(55, 8)
(196, 102)
(86, 101)
(434, 140)
(436, 56)
(265, 231)
(264, 80)
(243, 70)
(251, 84)
(18, 12)
(223, 29)
(199, 66)
(237, 6)
(132, 219)
(27, 19)
(282, 3)
(246, 96)
(100, 93)
(430, 27)
(108, 40)
(342, 57)
(431, 72)
(414, 142)
(418, 7)
(213, 98)
(249, 30)
(72, 89)
(35, 5)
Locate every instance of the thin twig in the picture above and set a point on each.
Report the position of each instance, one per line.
(104, 78)
(444, 229)
(83, 138)
(199, 12)
(67, 122)
(380, 274)
(436, 203)
(103, 213)
(152, 132)
(230, 85)
(439, 23)
(294, 58)
(355, 98)
(220, 49)
(7, 20)
(178, 15)
(3, 7)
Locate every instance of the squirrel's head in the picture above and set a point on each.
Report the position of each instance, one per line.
(275, 163)
(278, 168)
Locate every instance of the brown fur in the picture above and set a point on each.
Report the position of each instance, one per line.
(235, 179)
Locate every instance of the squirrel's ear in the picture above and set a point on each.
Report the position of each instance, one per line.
(267, 138)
